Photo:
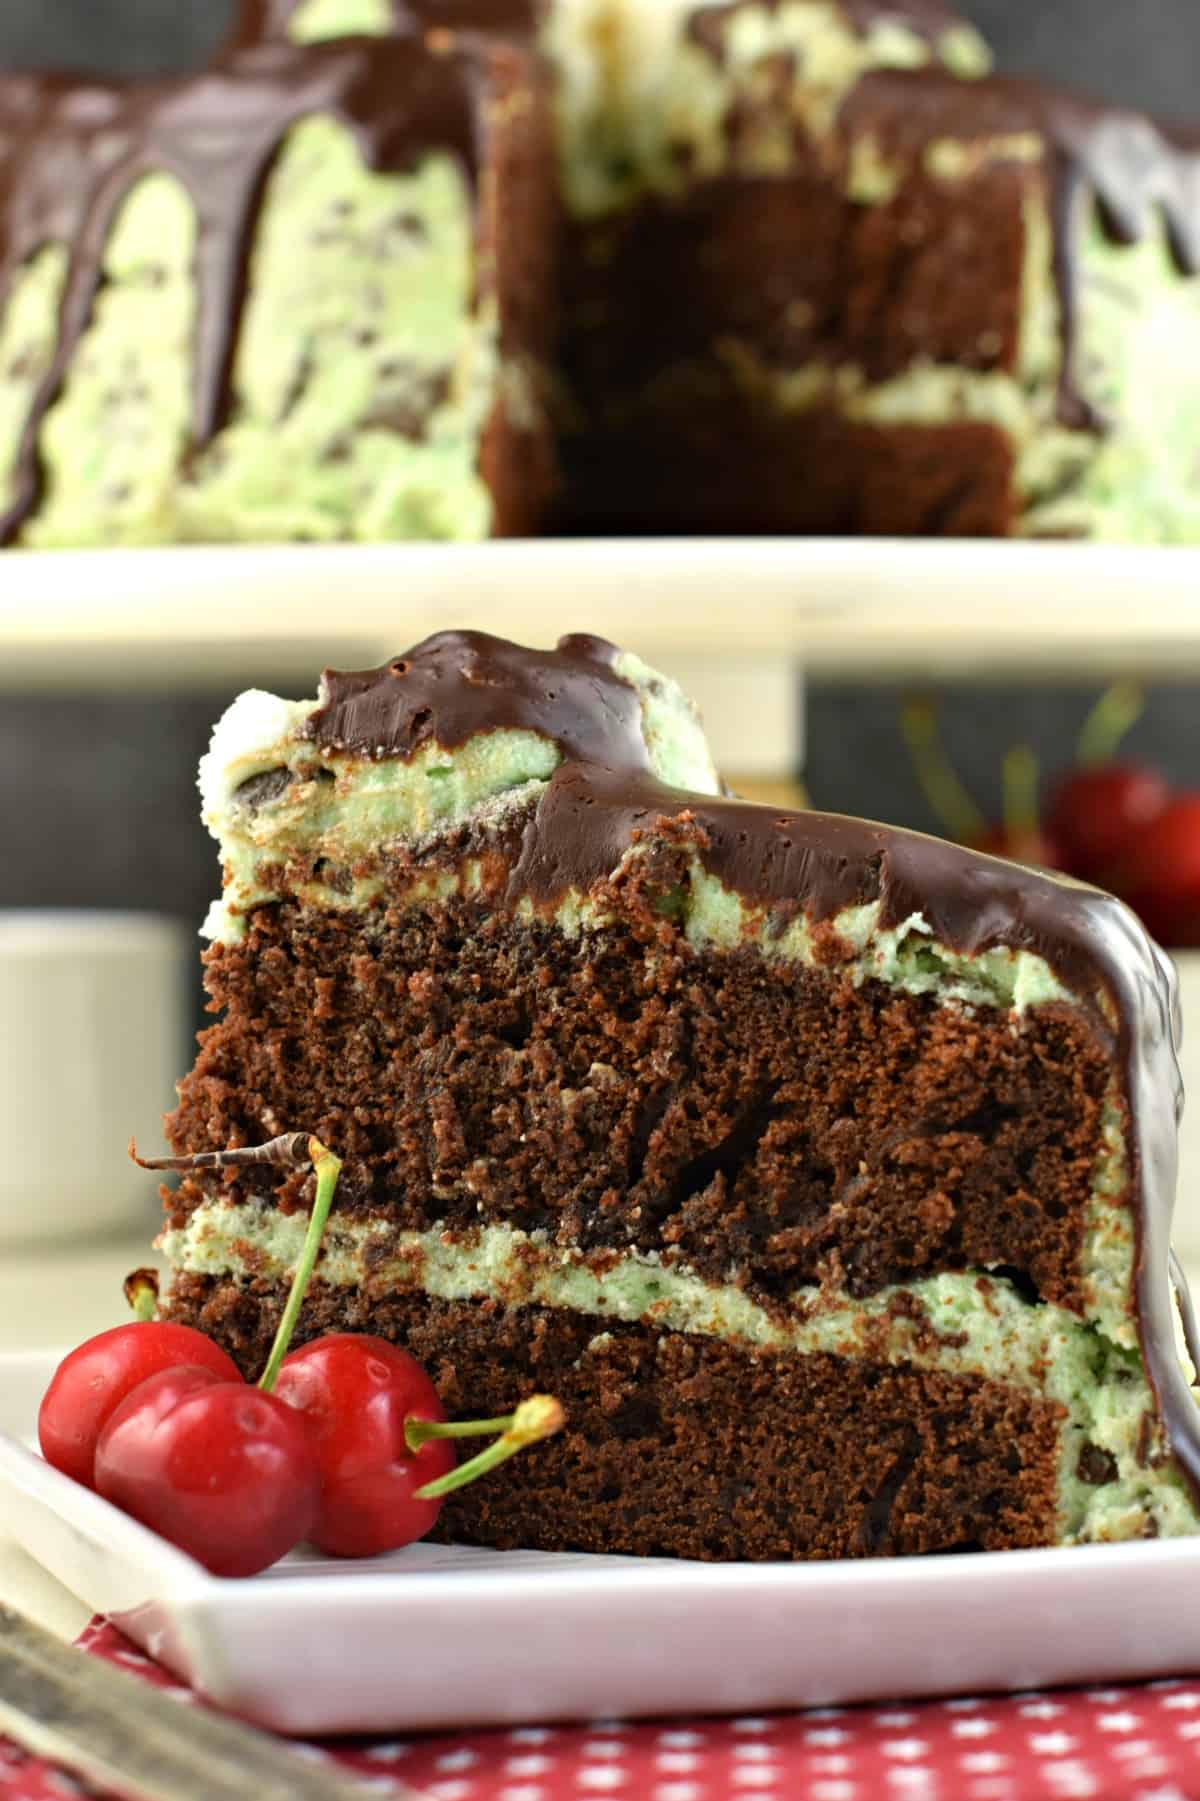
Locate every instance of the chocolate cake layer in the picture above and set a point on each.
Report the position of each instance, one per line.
(818, 474)
(760, 1123)
(683, 1447)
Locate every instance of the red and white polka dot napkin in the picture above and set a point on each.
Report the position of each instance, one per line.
(1111, 1744)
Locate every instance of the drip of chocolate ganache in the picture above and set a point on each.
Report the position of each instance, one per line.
(1135, 173)
(603, 799)
(71, 151)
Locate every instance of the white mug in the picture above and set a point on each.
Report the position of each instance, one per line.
(93, 1032)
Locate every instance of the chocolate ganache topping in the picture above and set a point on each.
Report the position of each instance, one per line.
(603, 798)
(1127, 170)
(72, 149)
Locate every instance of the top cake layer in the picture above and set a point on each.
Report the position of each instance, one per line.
(461, 733)
(584, 753)
(588, 727)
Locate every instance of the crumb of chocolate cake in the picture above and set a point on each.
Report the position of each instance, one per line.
(714, 1162)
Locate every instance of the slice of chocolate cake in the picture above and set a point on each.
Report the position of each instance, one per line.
(307, 295)
(822, 1170)
(916, 303)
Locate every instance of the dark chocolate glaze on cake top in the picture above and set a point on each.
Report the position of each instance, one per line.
(458, 684)
(71, 150)
(603, 797)
(1126, 168)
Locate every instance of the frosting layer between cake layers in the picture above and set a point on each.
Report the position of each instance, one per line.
(516, 802)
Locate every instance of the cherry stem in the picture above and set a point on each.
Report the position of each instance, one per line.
(936, 776)
(1117, 710)
(539, 1417)
(419, 1432)
(141, 1291)
(292, 1151)
(1020, 792)
(328, 1169)
(144, 1302)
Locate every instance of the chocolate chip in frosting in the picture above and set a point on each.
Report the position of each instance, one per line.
(1096, 1466)
(259, 790)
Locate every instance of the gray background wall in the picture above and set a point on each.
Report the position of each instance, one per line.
(112, 780)
(1145, 52)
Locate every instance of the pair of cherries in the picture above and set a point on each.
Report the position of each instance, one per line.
(343, 1442)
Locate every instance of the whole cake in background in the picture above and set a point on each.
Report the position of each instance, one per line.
(822, 1170)
(459, 268)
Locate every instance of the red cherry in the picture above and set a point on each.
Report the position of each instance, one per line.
(233, 1474)
(1159, 874)
(90, 1384)
(1095, 812)
(359, 1395)
(220, 1469)
(1032, 846)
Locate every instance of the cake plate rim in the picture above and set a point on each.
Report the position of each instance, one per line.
(874, 608)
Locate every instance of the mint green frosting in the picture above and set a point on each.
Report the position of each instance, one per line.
(112, 444)
(28, 337)
(317, 19)
(1138, 328)
(366, 369)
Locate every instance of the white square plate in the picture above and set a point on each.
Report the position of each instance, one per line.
(439, 1637)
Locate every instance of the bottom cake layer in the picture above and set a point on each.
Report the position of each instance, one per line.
(681, 1446)
(812, 471)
